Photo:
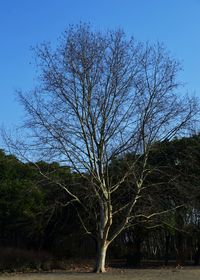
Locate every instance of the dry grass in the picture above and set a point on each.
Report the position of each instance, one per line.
(134, 274)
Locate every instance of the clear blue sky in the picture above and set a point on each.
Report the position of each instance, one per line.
(25, 23)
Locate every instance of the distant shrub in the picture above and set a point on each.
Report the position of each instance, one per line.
(13, 259)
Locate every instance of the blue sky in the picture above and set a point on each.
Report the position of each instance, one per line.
(25, 23)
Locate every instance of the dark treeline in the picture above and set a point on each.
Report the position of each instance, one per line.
(35, 216)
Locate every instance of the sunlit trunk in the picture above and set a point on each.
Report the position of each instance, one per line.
(101, 257)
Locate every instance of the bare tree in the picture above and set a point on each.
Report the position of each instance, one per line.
(101, 96)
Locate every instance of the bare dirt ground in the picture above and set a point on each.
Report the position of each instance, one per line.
(132, 274)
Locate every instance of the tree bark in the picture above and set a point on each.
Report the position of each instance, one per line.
(197, 255)
(180, 254)
(167, 240)
(101, 257)
(134, 255)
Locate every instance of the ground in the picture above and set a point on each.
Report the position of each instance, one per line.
(132, 274)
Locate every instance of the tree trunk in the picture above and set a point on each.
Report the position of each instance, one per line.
(180, 254)
(101, 257)
(167, 243)
(197, 254)
(134, 255)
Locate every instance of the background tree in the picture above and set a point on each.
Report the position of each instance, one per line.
(102, 95)
(20, 195)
